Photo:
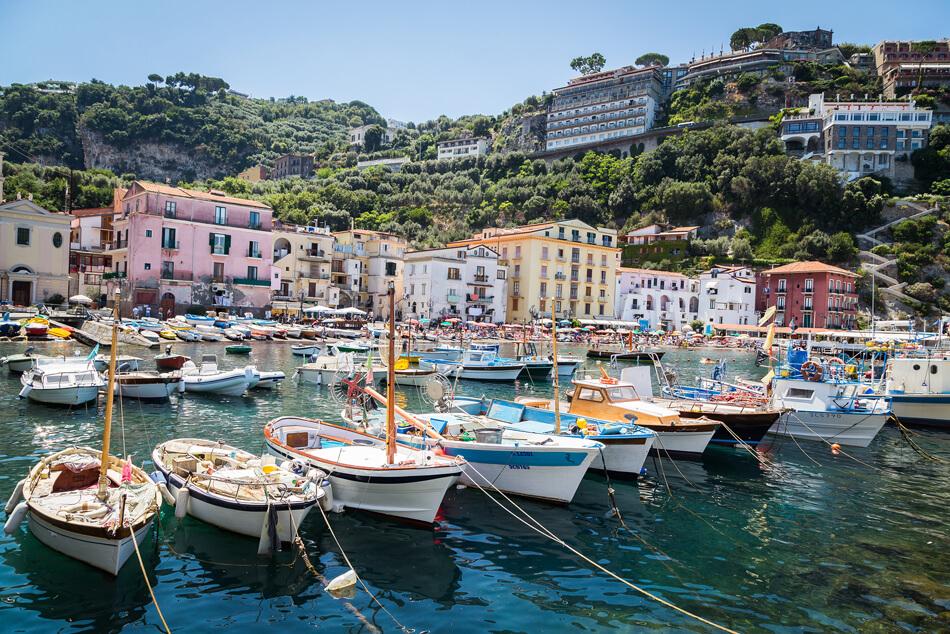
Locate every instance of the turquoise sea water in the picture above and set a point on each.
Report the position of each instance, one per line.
(791, 547)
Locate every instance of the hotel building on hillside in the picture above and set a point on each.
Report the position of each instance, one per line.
(654, 243)
(665, 299)
(460, 148)
(176, 247)
(564, 269)
(858, 138)
(603, 106)
(901, 66)
(465, 282)
(303, 257)
(364, 263)
(813, 294)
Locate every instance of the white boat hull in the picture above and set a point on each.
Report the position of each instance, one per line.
(158, 390)
(855, 429)
(234, 385)
(932, 410)
(681, 442)
(241, 518)
(106, 554)
(64, 395)
(567, 368)
(474, 373)
(625, 458)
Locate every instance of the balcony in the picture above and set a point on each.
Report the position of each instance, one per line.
(481, 279)
(254, 225)
(247, 281)
(560, 276)
(119, 244)
(453, 299)
(313, 254)
(114, 275)
(254, 253)
(178, 276)
(170, 245)
(480, 299)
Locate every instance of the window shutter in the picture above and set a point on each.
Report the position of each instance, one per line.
(227, 244)
(211, 241)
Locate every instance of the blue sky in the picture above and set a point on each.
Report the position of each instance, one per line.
(412, 60)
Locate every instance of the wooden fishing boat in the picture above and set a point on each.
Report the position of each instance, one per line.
(235, 490)
(169, 361)
(148, 386)
(86, 503)
(750, 422)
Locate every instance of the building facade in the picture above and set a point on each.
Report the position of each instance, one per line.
(902, 65)
(464, 282)
(727, 295)
(90, 235)
(564, 269)
(175, 246)
(654, 243)
(858, 138)
(667, 300)
(364, 264)
(303, 257)
(358, 135)
(34, 253)
(603, 106)
(461, 148)
(290, 165)
(254, 174)
(809, 295)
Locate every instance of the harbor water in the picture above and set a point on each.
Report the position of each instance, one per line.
(809, 542)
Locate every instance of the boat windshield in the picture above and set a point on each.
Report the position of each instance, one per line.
(622, 393)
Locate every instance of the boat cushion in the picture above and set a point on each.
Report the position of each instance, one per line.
(505, 411)
(297, 439)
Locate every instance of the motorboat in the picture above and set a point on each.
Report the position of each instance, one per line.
(124, 363)
(441, 353)
(235, 490)
(919, 389)
(18, 363)
(567, 365)
(209, 379)
(305, 350)
(327, 369)
(9, 327)
(199, 320)
(169, 361)
(268, 380)
(512, 460)
(56, 382)
(410, 486)
(84, 502)
(843, 412)
(210, 333)
(625, 445)
(36, 327)
(148, 386)
(478, 365)
(414, 377)
(613, 400)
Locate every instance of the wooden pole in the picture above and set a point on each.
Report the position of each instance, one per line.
(110, 396)
(391, 381)
(557, 392)
(409, 418)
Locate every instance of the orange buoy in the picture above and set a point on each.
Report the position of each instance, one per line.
(835, 449)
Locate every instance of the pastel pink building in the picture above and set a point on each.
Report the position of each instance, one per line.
(176, 246)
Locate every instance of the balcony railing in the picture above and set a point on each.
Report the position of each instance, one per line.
(114, 275)
(481, 278)
(247, 281)
(169, 245)
(120, 244)
(254, 253)
(480, 299)
(453, 299)
(182, 276)
(254, 225)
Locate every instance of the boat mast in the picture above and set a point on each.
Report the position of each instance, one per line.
(110, 395)
(391, 381)
(557, 392)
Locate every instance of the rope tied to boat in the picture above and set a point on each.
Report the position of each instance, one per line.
(908, 435)
(148, 584)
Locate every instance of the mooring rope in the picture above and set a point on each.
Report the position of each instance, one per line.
(539, 528)
(908, 436)
(147, 583)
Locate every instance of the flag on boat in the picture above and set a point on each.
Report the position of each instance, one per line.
(369, 369)
(92, 355)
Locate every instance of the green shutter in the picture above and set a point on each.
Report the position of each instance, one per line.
(211, 241)
(227, 244)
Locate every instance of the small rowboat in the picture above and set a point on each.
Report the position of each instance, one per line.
(238, 349)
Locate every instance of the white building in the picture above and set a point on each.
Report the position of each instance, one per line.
(727, 295)
(460, 148)
(358, 135)
(667, 300)
(465, 282)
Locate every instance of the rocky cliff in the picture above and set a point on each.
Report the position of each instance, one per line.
(521, 134)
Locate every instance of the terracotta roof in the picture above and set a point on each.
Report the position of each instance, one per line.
(92, 211)
(168, 190)
(809, 267)
(681, 229)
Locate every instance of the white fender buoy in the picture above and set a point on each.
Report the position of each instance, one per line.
(14, 518)
(344, 581)
(15, 496)
(166, 494)
(326, 500)
(25, 391)
(181, 502)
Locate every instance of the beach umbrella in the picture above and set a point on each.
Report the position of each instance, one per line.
(80, 299)
(446, 323)
(564, 322)
(351, 311)
(317, 309)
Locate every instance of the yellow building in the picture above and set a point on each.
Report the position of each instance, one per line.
(563, 269)
(364, 263)
(34, 253)
(303, 256)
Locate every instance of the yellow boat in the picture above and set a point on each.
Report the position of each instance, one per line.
(168, 334)
(59, 333)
